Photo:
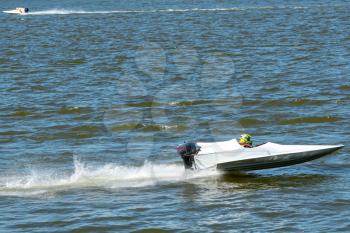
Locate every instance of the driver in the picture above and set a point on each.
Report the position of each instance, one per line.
(22, 10)
(246, 141)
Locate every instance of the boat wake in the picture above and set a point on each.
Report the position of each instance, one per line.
(70, 12)
(108, 176)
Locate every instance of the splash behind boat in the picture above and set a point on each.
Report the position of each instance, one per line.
(231, 156)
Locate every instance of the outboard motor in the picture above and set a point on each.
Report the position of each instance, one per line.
(187, 151)
(26, 10)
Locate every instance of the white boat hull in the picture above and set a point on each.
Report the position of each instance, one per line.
(274, 161)
(230, 156)
(18, 11)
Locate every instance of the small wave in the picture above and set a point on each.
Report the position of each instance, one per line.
(68, 63)
(143, 104)
(109, 176)
(39, 113)
(21, 113)
(13, 133)
(191, 103)
(174, 103)
(294, 102)
(74, 110)
(344, 87)
(58, 132)
(303, 120)
(200, 102)
(145, 128)
(247, 122)
(38, 88)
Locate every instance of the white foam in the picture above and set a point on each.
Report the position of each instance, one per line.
(170, 10)
(69, 12)
(109, 176)
(11, 12)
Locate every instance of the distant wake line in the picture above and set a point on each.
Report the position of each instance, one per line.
(109, 176)
(70, 12)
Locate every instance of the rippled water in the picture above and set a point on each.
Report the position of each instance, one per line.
(95, 96)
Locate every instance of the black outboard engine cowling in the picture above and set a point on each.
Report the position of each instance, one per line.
(187, 151)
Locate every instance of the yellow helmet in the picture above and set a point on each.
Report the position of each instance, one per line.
(246, 139)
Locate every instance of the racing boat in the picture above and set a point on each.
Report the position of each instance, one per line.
(18, 10)
(231, 156)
